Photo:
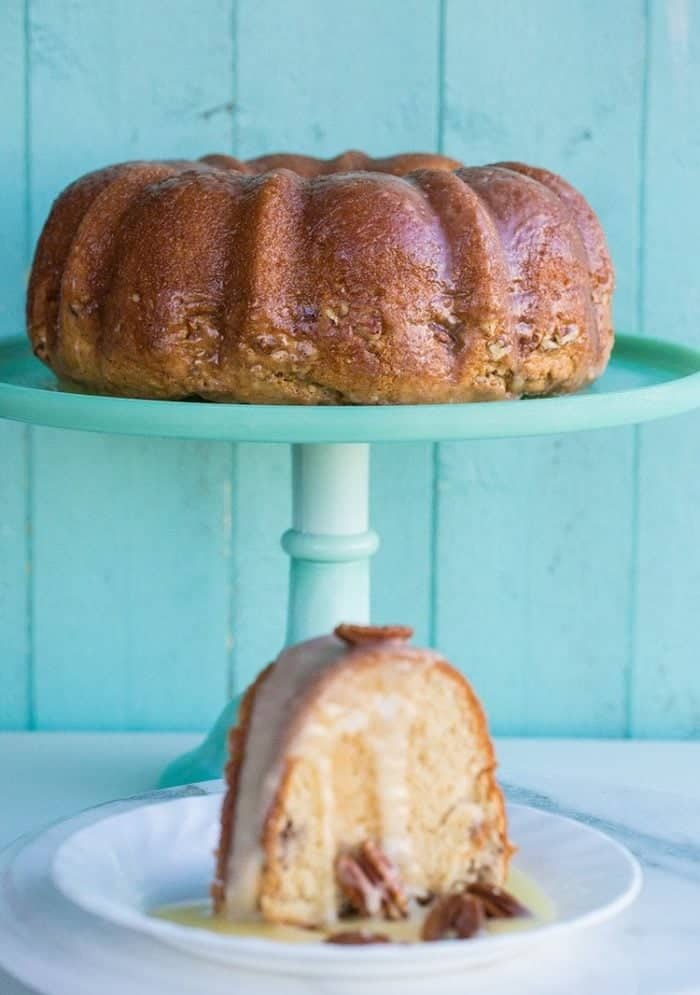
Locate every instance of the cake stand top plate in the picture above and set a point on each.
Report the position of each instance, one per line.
(646, 379)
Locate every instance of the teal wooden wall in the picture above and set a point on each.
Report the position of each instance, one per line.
(137, 580)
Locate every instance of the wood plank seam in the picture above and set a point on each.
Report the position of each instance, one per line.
(232, 619)
(637, 432)
(28, 577)
(433, 608)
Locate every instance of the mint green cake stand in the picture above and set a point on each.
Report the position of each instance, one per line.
(330, 542)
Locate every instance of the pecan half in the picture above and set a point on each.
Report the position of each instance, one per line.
(359, 892)
(370, 883)
(457, 915)
(359, 635)
(356, 938)
(498, 903)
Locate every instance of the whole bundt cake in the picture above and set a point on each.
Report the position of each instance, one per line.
(288, 279)
(361, 780)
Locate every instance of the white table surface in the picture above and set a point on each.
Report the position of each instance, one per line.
(645, 794)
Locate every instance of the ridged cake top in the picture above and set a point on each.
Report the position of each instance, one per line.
(351, 161)
(288, 279)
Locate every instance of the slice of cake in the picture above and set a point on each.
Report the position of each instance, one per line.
(361, 779)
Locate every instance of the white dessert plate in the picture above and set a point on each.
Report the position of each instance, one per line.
(124, 866)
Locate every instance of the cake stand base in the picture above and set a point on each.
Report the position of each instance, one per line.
(329, 545)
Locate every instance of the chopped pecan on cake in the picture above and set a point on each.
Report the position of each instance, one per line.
(358, 635)
(370, 883)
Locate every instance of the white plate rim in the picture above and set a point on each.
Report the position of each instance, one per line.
(446, 952)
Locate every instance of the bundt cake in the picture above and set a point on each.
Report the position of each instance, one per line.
(361, 780)
(293, 280)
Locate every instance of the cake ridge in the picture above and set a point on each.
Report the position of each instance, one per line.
(479, 324)
(593, 238)
(543, 247)
(539, 176)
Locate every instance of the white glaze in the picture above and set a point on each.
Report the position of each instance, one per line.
(295, 669)
(199, 915)
(384, 718)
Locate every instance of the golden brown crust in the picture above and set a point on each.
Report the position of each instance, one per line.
(289, 279)
(595, 245)
(552, 331)
(89, 271)
(351, 161)
(43, 294)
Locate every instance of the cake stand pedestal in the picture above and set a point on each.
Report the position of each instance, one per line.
(330, 543)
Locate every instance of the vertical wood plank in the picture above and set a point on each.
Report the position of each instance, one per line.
(336, 84)
(401, 510)
(666, 688)
(15, 697)
(132, 536)
(262, 511)
(13, 189)
(361, 75)
(535, 537)
(131, 589)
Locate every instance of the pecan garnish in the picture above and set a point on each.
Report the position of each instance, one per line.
(457, 915)
(370, 883)
(359, 635)
(498, 903)
(357, 938)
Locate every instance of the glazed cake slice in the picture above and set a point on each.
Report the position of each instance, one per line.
(361, 764)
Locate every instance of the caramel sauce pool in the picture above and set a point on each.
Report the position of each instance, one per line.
(198, 915)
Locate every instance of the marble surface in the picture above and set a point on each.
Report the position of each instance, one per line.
(647, 795)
